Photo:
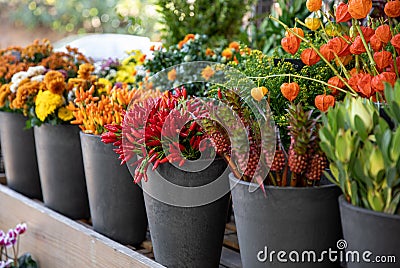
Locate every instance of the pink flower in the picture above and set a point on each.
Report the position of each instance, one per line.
(20, 228)
(2, 238)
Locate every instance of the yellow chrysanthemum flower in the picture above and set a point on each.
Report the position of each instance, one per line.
(46, 103)
(65, 114)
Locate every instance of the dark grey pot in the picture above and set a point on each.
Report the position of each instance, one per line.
(187, 236)
(116, 202)
(285, 218)
(366, 230)
(61, 171)
(19, 154)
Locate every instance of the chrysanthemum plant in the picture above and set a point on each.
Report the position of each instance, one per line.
(40, 88)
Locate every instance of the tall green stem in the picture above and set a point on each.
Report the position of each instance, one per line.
(371, 58)
(303, 77)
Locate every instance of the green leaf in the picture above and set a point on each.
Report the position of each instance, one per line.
(359, 124)
(395, 146)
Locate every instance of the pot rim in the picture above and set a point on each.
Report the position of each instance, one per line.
(283, 188)
(344, 203)
(89, 134)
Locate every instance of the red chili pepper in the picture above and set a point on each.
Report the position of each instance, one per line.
(164, 160)
(182, 162)
(184, 93)
(112, 128)
(117, 143)
(220, 94)
(153, 158)
(138, 178)
(193, 126)
(153, 143)
(156, 164)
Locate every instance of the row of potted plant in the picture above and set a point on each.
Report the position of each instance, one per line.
(283, 194)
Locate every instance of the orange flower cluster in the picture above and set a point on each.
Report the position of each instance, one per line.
(26, 90)
(69, 61)
(32, 51)
(185, 40)
(95, 110)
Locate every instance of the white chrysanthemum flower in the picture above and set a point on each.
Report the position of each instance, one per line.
(13, 87)
(18, 77)
(38, 78)
(71, 95)
(36, 70)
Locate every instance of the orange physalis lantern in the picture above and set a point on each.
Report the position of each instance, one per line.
(357, 47)
(361, 83)
(258, 93)
(323, 102)
(290, 90)
(383, 59)
(290, 44)
(376, 43)
(359, 9)
(309, 56)
(396, 41)
(392, 9)
(342, 13)
(335, 81)
(377, 81)
(367, 32)
(313, 5)
(327, 52)
(312, 23)
(383, 33)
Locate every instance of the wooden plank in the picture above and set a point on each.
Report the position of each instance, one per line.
(3, 178)
(230, 258)
(56, 241)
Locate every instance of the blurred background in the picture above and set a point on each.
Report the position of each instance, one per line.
(160, 20)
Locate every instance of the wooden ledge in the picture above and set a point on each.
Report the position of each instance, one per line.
(57, 241)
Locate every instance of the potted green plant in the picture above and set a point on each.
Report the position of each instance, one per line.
(363, 153)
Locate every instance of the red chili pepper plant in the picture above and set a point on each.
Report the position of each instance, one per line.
(176, 128)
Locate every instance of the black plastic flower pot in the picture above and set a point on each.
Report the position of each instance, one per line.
(303, 220)
(116, 202)
(372, 238)
(62, 176)
(186, 236)
(19, 154)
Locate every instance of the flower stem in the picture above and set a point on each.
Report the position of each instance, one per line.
(394, 52)
(303, 77)
(316, 50)
(373, 64)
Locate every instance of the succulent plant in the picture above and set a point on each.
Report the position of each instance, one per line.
(363, 149)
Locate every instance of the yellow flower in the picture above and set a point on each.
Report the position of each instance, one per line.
(46, 103)
(65, 114)
(207, 73)
(172, 75)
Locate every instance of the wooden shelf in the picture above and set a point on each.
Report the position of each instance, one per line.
(57, 241)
